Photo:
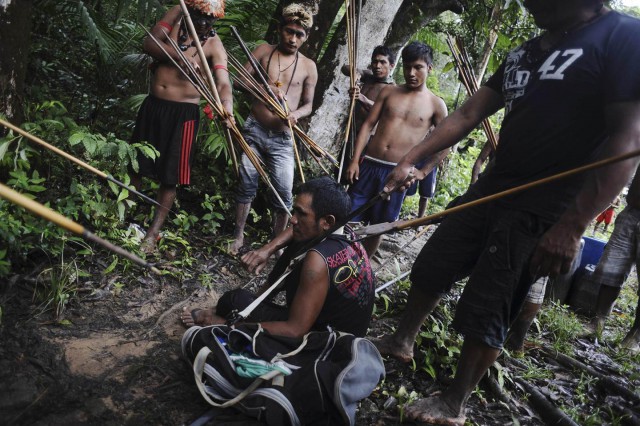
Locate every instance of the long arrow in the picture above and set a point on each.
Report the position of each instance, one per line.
(254, 64)
(392, 282)
(209, 76)
(383, 228)
(68, 224)
(401, 249)
(79, 162)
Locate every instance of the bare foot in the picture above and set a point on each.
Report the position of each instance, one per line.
(235, 246)
(200, 317)
(593, 328)
(632, 340)
(149, 244)
(387, 345)
(435, 411)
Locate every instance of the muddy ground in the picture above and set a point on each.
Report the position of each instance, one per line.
(115, 359)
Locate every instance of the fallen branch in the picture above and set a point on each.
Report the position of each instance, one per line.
(609, 383)
(628, 416)
(548, 412)
(490, 381)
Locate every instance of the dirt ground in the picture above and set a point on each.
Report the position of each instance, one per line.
(117, 358)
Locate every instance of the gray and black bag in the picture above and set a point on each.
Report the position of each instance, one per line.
(330, 373)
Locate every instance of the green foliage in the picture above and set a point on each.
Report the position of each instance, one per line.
(438, 343)
(5, 264)
(533, 370)
(57, 285)
(57, 183)
(213, 205)
(21, 181)
(454, 177)
(562, 325)
(184, 220)
(474, 25)
(404, 398)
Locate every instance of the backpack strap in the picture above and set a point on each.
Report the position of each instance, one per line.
(198, 371)
(247, 311)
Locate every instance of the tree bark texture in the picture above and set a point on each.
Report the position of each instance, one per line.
(390, 22)
(322, 23)
(415, 14)
(15, 36)
(332, 92)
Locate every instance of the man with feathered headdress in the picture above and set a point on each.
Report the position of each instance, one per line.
(294, 76)
(169, 116)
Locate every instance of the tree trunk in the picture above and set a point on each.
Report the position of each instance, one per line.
(332, 91)
(15, 33)
(390, 22)
(413, 15)
(492, 38)
(322, 23)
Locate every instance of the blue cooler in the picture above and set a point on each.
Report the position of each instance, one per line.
(583, 297)
(591, 252)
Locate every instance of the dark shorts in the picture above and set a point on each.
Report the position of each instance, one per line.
(373, 175)
(239, 299)
(171, 127)
(491, 245)
(426, 187)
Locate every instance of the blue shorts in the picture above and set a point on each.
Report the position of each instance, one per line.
(491, 244)
(373, 175)
(426, 187)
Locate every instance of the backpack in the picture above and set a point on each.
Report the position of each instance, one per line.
(314, 380)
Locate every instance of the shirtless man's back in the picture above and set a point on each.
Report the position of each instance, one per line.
(404, 115)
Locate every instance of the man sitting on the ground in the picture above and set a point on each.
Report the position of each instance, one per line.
(404, 115)
(333, 286)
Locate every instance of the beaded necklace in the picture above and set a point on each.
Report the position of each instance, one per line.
(278, 83)
(184, 36)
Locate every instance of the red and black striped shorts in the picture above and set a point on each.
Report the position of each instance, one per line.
(171, 127)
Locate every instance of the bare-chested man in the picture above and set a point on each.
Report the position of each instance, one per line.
(294, 76)
(169, 116)
(373, 80)
(404, 115)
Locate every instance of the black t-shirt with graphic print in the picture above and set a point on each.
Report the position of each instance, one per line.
(555, 103)
(349, 302)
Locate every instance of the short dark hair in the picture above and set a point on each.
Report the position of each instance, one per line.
(327, 198)
(384, 51)
(415, 51)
